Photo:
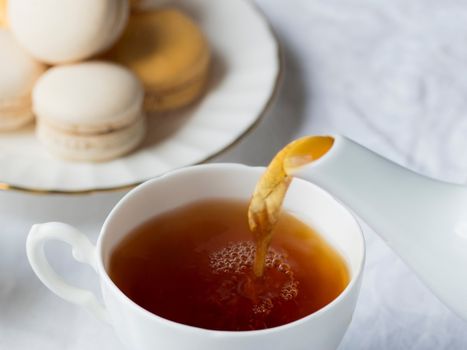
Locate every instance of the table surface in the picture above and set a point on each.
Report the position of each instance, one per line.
(387, 74)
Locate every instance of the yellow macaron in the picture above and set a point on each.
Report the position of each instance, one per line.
(3, 16)
(169, 53)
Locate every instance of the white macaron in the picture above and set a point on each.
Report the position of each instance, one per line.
(63, 31)
(18, 73)
(89, 111)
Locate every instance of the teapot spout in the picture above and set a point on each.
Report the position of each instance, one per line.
(423, 220)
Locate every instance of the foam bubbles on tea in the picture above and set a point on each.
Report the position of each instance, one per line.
(234, 264)
(234, 258)
(194, 265)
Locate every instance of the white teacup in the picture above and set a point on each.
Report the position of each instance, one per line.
(141, 330)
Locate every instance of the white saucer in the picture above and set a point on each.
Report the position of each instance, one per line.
(244, 77)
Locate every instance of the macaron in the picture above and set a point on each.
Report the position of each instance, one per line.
(64, 31)
(170, 55)
(3, 16)
(18, 73)
(91, 111)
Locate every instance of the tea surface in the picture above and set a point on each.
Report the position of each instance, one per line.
(194, 265)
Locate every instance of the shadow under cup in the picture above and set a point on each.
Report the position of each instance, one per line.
(140, 329)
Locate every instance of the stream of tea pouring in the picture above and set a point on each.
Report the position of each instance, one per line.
(270, 191)
(423, 220)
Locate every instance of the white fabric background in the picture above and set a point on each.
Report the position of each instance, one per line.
(390, 74)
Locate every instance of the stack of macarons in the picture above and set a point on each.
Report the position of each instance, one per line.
(89, 69)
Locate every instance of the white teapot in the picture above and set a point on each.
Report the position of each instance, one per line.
(423, 220)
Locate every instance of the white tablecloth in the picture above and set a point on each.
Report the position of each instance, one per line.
(390, 74)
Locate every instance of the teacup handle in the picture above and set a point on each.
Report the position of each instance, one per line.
(83, 251)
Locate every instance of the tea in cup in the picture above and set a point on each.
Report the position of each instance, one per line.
(175, 257)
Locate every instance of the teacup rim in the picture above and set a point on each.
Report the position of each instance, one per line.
(104, 276)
